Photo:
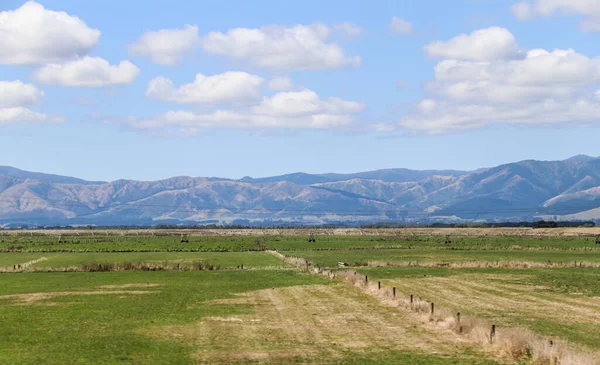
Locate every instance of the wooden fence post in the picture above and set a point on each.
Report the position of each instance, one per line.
(492, 333)
(432, 306)
(394, 292)
(379, 285)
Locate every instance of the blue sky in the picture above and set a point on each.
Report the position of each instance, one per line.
(105, 89)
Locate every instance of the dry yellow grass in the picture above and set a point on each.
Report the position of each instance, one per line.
(493, 295)
(307, 323)
(511, 343)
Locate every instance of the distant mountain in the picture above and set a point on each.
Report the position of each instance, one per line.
(387, 175)
(568, 189)
(21, 174)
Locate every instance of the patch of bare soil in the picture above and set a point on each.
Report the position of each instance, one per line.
(132, 285)
(32, 298)
(305, 323)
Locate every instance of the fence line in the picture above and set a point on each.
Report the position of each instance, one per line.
(517, 344)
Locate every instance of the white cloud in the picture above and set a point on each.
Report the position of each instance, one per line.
(281, 83)
(15, 96)
(33, 35)
(539, 75)
(453, 116)
(401, 26)
(522, 10)
(24, 115)
(16, 93)
(226, 88)
(481, 45)
(589, 9)
(302, 47)
(87, 72)
(167, 46)
(286, 110)
(541, 87)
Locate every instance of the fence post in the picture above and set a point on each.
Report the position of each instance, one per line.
(366, 279)
(458, 317)
(432, 306)
(379, 285)
(492, 333)
(394, 292)
(411, 300)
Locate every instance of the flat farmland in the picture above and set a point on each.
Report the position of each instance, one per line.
(187, 298)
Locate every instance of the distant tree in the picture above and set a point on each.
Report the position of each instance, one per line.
(545, 224)
(589, 224)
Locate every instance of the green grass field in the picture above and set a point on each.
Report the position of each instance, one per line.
(271, 312)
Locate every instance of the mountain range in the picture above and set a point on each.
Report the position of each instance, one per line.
(525, 190)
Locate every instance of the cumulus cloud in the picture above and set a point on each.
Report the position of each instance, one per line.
(401, 26)
(87, 72)
(281, 83)
(481, 45)
(24, 115)
(540, 87)
(226, 88)
(522, 10)
(33, 35)
(15, 96)
(166, 46)
(302, 109)
(588, 9)
(17, 93)
(301, 47)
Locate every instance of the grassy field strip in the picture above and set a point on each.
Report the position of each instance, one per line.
(58, 262)
(412, 245)
(514, 343)
(9, 260)
(307, 323)
(22, 266)
(486, 264)
(457, 257)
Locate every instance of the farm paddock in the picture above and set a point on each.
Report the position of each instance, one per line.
(262, 297)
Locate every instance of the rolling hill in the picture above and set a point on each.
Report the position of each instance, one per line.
(568, 189)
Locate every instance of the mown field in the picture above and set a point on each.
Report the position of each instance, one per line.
(173, 299)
